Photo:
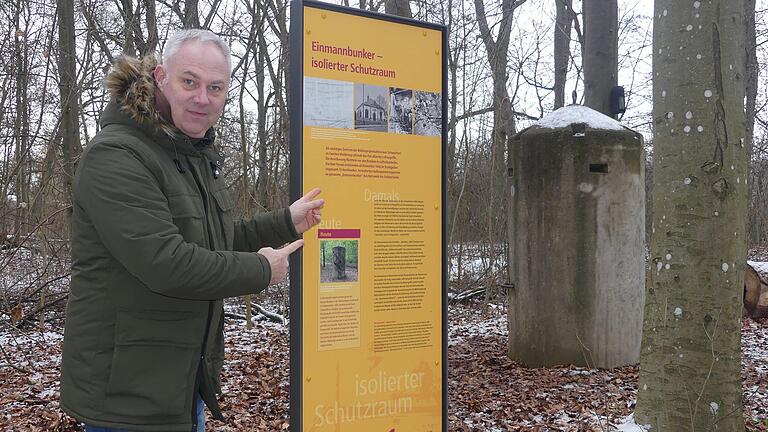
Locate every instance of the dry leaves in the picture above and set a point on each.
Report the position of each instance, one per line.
(487, 391)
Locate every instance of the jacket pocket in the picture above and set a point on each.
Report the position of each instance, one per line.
(154, 366)
(188, 216)
(225, 206)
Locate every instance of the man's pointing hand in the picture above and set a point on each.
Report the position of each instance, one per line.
(305, 211)
(278, 259)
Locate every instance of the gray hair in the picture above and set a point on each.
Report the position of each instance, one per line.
(176, 40)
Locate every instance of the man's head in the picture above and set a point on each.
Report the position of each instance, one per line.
(194, 78)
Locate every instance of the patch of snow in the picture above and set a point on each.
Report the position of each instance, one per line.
(46, 394)
(573, 114)
(713, 407)
(628, 425)
(760, 267)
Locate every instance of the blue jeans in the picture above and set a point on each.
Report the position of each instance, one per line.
(200, 421)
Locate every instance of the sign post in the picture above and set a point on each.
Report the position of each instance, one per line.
(368, 310)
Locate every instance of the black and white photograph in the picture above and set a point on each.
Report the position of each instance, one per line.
(371, 107)
(427, 112)
(400, 110)
(327, 103)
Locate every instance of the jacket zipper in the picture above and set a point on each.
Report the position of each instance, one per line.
(201, 364)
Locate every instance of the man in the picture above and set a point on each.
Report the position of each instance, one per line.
(155, 248)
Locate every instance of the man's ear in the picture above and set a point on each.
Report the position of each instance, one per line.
(160, 75)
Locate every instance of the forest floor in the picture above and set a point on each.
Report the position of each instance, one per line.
(487, 391)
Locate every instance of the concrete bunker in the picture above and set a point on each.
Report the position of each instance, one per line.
(576, 241)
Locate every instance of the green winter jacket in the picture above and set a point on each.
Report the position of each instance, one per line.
(154, 250)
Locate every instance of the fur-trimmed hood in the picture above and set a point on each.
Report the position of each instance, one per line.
(132, 87)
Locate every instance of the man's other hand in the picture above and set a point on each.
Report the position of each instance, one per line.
(305, 211)
(278, 259)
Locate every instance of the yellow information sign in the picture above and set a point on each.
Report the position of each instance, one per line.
(368, 324)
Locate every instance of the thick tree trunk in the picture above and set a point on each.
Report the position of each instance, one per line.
(562, 53)
(70, 127)
(151, 23)
(601, 53)
(398, 7)
(191, 14)
(691, 358)
(340, 262)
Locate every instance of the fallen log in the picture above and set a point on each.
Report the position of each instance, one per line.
(756, 290)
(270, 316)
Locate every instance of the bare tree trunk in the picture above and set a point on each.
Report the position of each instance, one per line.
(151, 23)
(70, 127)
(691, 356)
(280, 85)
(21, 124)
(503, 119)
(453, 66)
(246, 193)
(129, 47)
(398, 7)
(191, 14)
(752, 66)
(752, 74)
(562, 55)
(601, 53)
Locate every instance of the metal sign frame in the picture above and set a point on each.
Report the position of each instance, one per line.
(295, 108)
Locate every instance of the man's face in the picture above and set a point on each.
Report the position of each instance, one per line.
(195, 82)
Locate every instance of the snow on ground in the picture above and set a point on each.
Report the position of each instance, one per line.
(487, 391)
(754, 372)
(628, 425)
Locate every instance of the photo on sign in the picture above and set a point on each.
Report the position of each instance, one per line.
(327, 103)
(400, 110)
(338, 261)
(428, 113)
(371, 107)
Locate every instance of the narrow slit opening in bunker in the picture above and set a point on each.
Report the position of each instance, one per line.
(598, 168)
